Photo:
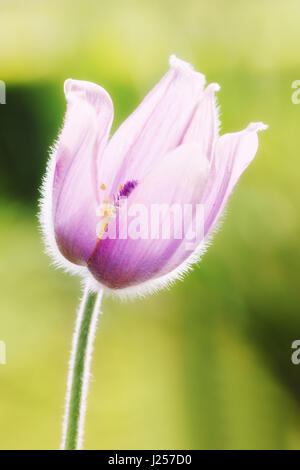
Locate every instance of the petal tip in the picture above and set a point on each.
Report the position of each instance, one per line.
(68, 85)
(213, 87)
(256, 127)
(72, 86)
(179, 64)
(89, 92)
(186, 68)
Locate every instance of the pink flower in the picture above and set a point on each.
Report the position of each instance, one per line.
(168, 151)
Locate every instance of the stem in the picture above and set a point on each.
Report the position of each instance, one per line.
(79, 370)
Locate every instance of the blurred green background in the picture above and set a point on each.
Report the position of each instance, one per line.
(206, 364)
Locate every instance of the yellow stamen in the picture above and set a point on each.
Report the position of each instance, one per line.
(103, 229)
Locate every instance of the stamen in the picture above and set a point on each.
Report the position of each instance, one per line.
(102, 230)
(127, 188)
(107, 211)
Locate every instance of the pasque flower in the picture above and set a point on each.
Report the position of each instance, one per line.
(168, 151)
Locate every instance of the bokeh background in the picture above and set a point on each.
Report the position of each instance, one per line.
(206, 365)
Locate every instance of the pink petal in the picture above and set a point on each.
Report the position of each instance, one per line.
(87, 124)
(204, 124)
(179, 178)
(233, 153)
(155, 128)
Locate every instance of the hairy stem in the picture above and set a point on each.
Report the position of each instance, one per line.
(79, 370)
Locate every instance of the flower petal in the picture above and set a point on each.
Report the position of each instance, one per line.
(233, 153)
(179, 178)
(75, 194)
(155, 128)
(204, 125)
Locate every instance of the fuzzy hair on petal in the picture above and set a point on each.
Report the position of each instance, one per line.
(46, 219)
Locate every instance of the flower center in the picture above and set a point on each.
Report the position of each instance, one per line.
(108, 209)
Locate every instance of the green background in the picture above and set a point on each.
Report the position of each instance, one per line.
(208, 363)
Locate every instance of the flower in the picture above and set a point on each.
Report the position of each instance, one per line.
(167, 152)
